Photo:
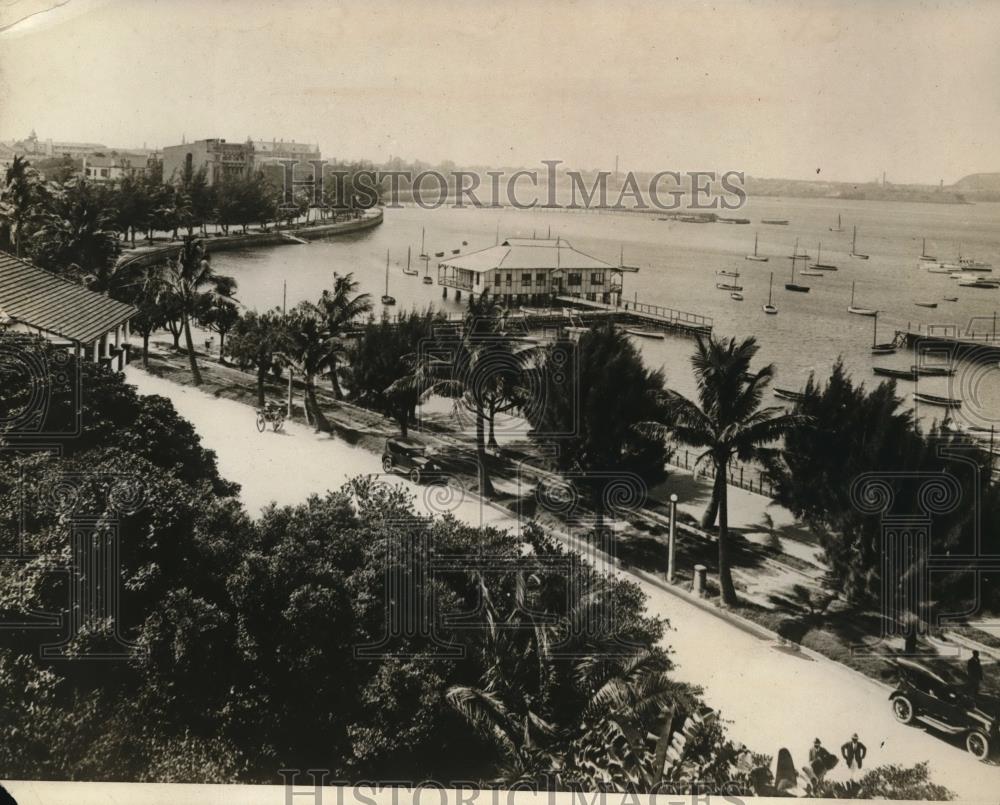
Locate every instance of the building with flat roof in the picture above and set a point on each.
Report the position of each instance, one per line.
(528, 271)
(220, 160)
(38, 302)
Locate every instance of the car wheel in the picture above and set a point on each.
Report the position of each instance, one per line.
(902, 708)
(978, 745)
(387, 464)
(261, 423)
(415, 475)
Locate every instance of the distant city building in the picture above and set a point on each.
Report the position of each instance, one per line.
(114, 166)
(526, 270)
(32, 146)
(265, 151)
(220, 160)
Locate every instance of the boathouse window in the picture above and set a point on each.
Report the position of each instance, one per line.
(496, 279)
(476, 279)
(540, 277)
(526, 279)
(574, 279)
(509, 278)
(597, 278)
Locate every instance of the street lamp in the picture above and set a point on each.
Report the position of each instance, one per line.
(670, 543)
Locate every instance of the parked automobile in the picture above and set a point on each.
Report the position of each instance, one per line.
(410, 457)
(944, 704)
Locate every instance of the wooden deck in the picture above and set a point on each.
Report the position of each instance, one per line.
(972, 342)
(651, 316)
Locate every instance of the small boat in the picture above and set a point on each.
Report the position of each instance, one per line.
(859, 311)
(788, 394)
(887, 348)
(428, 279)
(644, 333)
(926, 304)
(838, 228)
(769, 308)
(936, 399)
(932, 371)
(794, 286)
(456, 251)
(725, 286)
(978, 283)
(737, 296)
(465, 243)
(423, 251)
(410, 272)
(854, 247)
(728, 273)
(386, 299)
(939, 268)
(805, 272)
(924, 257)
(896, 374)
(439, 254)
(951, 299)
(819, 265)
(755, 257)
(775, 221)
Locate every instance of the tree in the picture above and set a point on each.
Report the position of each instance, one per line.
(220, 316)
(150, 312)
(309, 352)
(340, 309)
(727, 421)
(257, 341)
(21, 193)
(76, 234)
(593, 394)
(191, 285)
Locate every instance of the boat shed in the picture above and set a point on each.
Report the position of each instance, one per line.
(64, 312)
(530, 271)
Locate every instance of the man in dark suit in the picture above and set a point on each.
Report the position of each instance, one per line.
(974, 672)
(853, 752)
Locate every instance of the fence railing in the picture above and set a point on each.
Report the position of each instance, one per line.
(744, 476)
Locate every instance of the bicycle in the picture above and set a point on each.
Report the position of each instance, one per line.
(273, 414)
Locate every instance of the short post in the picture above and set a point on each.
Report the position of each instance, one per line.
(290, 373)
(698, 582)
(671, 543)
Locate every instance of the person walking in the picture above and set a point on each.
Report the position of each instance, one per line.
(974, 672)
(820, 759)
(853, 752)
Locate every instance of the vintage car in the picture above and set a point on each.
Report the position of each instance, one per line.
(410, 457)
(945, 704)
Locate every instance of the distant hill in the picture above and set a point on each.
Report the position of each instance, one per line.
(978, 183)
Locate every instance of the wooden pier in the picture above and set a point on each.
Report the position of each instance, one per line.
(979, 340)
(651, 316)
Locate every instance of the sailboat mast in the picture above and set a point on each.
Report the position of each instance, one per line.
(423, 231)
(875, 330)
(407, 258)
(755, 236)
(852, 294)
(386, 272)
(854, 240)
(770, 288)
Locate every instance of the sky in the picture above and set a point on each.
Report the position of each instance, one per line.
(817, 89)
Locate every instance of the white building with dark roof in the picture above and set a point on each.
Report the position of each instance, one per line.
(65, 313)
(529, 271)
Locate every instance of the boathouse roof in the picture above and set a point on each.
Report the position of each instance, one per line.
(527, 253)
(45, 301)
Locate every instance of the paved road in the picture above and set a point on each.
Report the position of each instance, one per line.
(774, 697)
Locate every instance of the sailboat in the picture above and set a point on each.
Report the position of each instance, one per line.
(887, 348)
(924, 257)
(755, 257)
(410, 272)
(428, 279)
(423, 251)
(793, 286)
(854, 247)
(769, 308)
(859, 311)
(819, 265)
(838, 227)
(386, 299)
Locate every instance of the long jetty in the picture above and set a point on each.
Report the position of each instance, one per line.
(641, 313)
(979, 339)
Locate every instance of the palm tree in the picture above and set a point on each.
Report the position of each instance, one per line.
(191, 285)
(339, 308)
(727, 421)
(78, 230)
(17, 202)
(309, 352)
(256, 341)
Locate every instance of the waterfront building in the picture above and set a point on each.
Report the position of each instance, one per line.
(219, 159)
(271, 151)
(531, 271)
(37, 302)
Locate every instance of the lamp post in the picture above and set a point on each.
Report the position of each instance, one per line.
(670, 543)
